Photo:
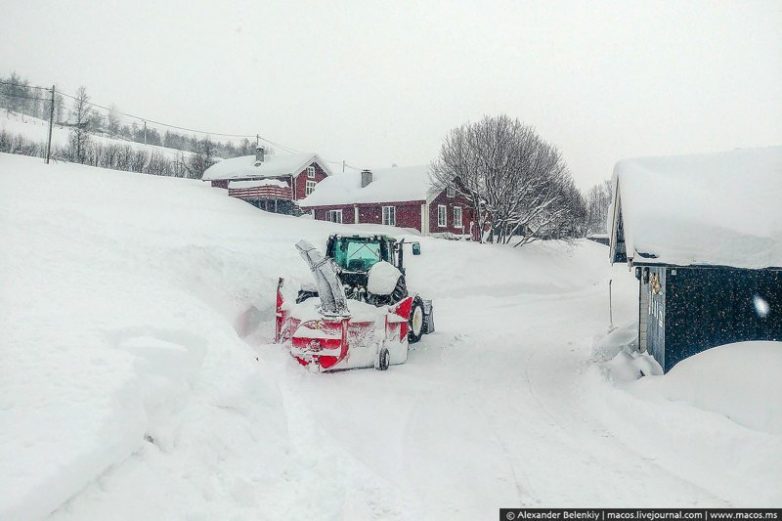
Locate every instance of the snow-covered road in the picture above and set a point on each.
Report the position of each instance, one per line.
(139, 382)
(499, 409)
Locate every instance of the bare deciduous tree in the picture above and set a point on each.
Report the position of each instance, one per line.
(518, 185)
(203, 158)
(113, 122)
(598, 200)
(82, 116)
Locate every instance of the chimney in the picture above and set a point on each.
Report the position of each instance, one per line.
(260, 152)
(366, 177)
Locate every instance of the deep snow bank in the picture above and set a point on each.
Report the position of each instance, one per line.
(715, 419)
(740, 381)
(117, 307)
(124, 301)
(133, 309)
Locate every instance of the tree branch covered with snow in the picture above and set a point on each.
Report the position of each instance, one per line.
(518, 184)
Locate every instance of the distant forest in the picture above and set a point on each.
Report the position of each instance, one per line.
(85, 119)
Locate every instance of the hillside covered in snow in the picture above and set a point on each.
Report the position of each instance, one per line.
(36, 131)
(139, 380)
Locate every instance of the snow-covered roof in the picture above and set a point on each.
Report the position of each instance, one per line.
(720, 209)
(273, 166)
(258, 183)
(410, 183)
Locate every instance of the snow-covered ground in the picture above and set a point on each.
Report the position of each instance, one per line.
(37, 130)
(137, 380)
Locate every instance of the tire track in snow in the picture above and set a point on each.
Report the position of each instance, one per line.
(595, 434)
(328, 481)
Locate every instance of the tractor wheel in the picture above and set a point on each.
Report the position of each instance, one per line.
(383, 359)
(416, 322)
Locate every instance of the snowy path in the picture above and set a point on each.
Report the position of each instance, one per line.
(487, 418)
(133, 314)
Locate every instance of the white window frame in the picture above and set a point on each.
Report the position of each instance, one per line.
(442, 216)
(310, 187)
(450, 192)
(457, 221)
(389, 215)
(334, 216)
(311, 172)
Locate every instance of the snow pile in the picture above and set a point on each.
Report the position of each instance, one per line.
(617, 353)
(272, 166)
(410, 183)
(740, 381)
(138, 381)
(257, 184)
(715, 209)
(121, 297)
(715, 419)
(382, 278)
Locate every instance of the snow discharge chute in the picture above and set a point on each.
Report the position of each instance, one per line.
(330, 290)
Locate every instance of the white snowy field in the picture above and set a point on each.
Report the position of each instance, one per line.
(137, 380)
(37, 130)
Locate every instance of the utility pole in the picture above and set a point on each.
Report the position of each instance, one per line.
(145, 132)
(343, 166)
(51, 123)
(257, 141)
(610, 306)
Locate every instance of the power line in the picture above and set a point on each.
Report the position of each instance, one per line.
(21, 96)
(286, 148)
(168, 125)
(23, 85)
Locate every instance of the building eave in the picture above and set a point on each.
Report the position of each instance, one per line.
(407, 202)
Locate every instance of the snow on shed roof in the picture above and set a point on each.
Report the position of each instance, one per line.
(410, 183)
(275, 165)
(720, 209)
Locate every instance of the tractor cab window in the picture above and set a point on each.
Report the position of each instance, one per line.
(357, 255)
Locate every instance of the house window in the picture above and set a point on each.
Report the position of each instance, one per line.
(334, 216)
(457, 217)
(389, 215)
(442, 215)
(311, 172)
(310, 187)
(450, 191)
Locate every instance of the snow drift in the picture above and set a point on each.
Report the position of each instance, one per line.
(138, 381)
(740, 381)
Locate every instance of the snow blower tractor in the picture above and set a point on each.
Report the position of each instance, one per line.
(359, 312)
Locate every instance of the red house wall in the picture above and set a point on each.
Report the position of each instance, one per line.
(321, 213)
(300, 181)
(370, 214)
(408, 213)
(450, 203)
(220, 183)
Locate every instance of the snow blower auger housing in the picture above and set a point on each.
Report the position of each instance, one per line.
(359, 312)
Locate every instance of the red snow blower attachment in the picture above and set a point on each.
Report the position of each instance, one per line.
(328, 331)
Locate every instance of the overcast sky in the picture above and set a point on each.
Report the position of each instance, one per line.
(381, 83)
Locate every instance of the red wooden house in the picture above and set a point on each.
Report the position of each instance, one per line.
(276, 183)
(402, 197)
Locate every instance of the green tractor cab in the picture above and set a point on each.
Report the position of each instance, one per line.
(356, 255)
